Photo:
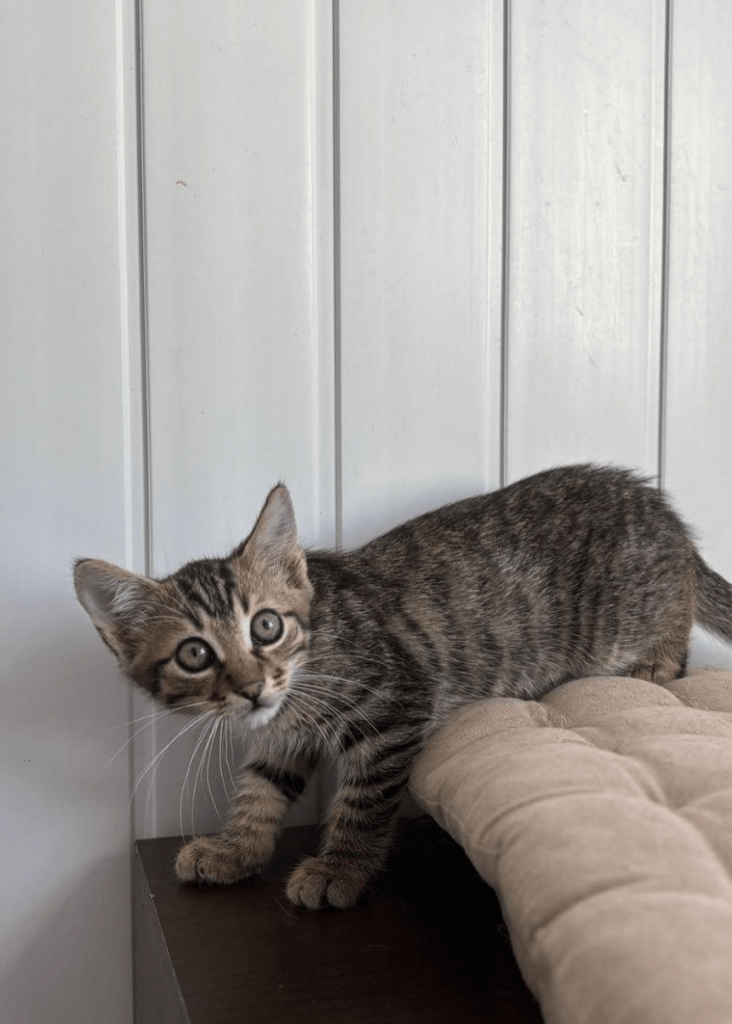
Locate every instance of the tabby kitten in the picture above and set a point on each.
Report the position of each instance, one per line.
(573, 572)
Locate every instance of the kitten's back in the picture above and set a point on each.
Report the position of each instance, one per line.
(566, 573)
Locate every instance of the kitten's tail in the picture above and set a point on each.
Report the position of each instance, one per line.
(713, 599)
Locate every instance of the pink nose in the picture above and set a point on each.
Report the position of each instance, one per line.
(252, 691)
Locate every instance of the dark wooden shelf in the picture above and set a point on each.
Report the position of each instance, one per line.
(427, 945)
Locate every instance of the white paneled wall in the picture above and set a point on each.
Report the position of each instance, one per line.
(391, 252)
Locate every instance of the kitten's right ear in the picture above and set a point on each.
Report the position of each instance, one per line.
(273, 542)
(117, 601)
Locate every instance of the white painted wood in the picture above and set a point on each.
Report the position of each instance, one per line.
(344, 332)
(67, 303)
(238, 143)
(585, 230)
(698, 455)
(421, 161)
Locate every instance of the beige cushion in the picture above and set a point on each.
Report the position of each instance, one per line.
(602, 816)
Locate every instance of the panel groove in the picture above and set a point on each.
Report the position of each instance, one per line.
(658, 217)
(131, 327)
(337, 255)
(142, 747)
(665, 246)
(322, 124)
(146, 467)
(144, 291)
(505, 241)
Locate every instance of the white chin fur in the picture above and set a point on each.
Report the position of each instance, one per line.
(261, 715)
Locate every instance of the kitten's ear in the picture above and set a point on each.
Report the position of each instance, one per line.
(117, 601)
(273, 542)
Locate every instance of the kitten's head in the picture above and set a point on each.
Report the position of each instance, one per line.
(220, 635)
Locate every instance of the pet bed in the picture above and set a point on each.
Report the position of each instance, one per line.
(602, 816)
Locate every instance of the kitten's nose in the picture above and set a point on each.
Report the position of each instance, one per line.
(250, 690)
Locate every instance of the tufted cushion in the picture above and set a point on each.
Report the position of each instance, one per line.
(602, 816)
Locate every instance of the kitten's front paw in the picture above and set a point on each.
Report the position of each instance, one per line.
(214, 860)
(322, 881)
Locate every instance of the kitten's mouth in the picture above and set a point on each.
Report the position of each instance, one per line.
(261, 713)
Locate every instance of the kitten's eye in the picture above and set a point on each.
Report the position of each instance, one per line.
(195, 655)
(267, 627)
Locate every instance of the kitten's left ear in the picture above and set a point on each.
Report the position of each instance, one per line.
(273, 542)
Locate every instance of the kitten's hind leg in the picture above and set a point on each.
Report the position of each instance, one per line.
(667, 659)
(265, 790)
(661, 666)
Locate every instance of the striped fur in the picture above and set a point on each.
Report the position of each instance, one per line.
(573, 572)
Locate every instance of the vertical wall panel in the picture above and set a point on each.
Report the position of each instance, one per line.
(698, 448)
(586, 194)
(66, 73)
(420, 158)
(238, 150)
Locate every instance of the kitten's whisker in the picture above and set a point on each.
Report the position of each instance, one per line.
(310, 716)
(325, 699)
(147, 721)
(222, 739)
(329, 698)
(140, 718)
(313, 659)
(334, 695)
(214, 737)
(334, 719)
(184, 785)
(155, 761)
(199, 741)
(146, 617)
(356, 683)
(198, 777)
(332, 725)
(342, 641)
(160, 711)
(131, 738)
(229, 750)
